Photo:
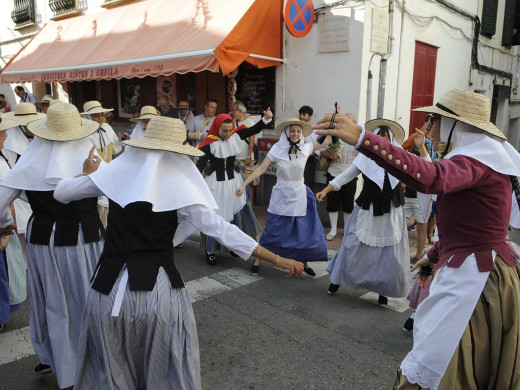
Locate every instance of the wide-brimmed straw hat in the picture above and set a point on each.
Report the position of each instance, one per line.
(24, 113)
(7, 123)
(147, 112)
(45, 99)
(306, 126)
(63, 123)
(394, 127)
(184, 104)
(168, 134)
(94, 107)
(465, 106)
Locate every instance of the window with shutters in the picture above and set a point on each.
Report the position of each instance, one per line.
(489, 17)
(511, 29)
(23, 13)
(64, 8)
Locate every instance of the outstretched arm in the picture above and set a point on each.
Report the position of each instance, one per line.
(256, 173)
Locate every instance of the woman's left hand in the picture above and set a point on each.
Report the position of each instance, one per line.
(8, 230)
(268, 114)
(4, 240)
(240, 191)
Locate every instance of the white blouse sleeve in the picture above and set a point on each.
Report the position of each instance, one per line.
(77, 188)
(212, 224)
(344, 177)
(7, 197)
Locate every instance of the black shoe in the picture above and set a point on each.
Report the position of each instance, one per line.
(233, 254)
(255, 269)
(408, 325)
(178, 246)
(413, 227)
(309, 271)
(212, 260)
(1, 326)
(382, 300)
(42, 369)
(333, 288)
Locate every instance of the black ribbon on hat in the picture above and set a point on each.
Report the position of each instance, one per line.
(444, 108)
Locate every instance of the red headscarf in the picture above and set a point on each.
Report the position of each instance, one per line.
(214, 130)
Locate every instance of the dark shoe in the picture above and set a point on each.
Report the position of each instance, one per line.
(333, 288)
(212, 260)
(42, 369)
(255, 269)
(408, 325)
(178, 246)
(1, 326)
(309, 271)
(412, 228)
(233, 254)
(382, 300)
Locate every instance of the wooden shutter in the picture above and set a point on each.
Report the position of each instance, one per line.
(509, 22)
(489, 17)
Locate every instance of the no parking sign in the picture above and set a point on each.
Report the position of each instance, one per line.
(299, 17)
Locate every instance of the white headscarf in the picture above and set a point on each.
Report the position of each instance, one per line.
(499, 155)
(16, 141)
(167, 180)
(373, 171)
(138, 131)
(281, 148)
(44, 163)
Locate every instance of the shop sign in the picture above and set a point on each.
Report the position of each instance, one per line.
(299, 17)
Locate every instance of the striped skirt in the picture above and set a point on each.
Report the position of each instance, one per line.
(245, 220)
(151, 344)
(58, 281)
(487, 355)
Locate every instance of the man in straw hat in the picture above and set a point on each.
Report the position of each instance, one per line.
(223, 177)
(474, 302)
(293, 225)
(64, 241)
(107, 142)
(13, 280)
(185, 113)
(138, 313)
(147, 113)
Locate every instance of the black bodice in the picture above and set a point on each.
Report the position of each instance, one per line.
(381, 200)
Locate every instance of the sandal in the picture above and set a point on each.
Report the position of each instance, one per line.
(212, 260)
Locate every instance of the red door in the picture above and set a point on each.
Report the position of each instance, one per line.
(423, 82)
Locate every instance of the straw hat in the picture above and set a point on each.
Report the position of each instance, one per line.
(184, 104)
(63, 123)
(394, 127)
(6, 123)
(24, 113)
(94, 107)
(45, 99)
(306, 126)
(465, 106)
(166, 134)
(147, 112)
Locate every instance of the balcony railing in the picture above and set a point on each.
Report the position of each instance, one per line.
(114, 3)
(64, 8)
(24, 13)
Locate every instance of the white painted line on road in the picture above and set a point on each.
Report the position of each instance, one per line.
(15, 345)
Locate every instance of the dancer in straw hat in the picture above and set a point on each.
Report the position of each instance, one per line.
(374, 254)
(293, 226)
(13, 280)
(147, 113)
(138, 327)
(64, 241)
(107, 142)
(223, 176)
(466, 333)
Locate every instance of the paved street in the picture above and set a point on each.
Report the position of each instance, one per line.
(265, 332)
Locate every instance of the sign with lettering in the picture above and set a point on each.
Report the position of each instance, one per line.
(334, 32)
(379, 31)
(299, 17)
(255, 88)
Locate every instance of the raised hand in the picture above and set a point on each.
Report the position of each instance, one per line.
(344, 128)
(268, 114)
(92, 162)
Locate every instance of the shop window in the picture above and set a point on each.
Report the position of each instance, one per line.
(64, 8)
(23, 13)
(489, 17)
(511, 30)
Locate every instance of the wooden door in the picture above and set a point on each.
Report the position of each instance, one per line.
(423, 84)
